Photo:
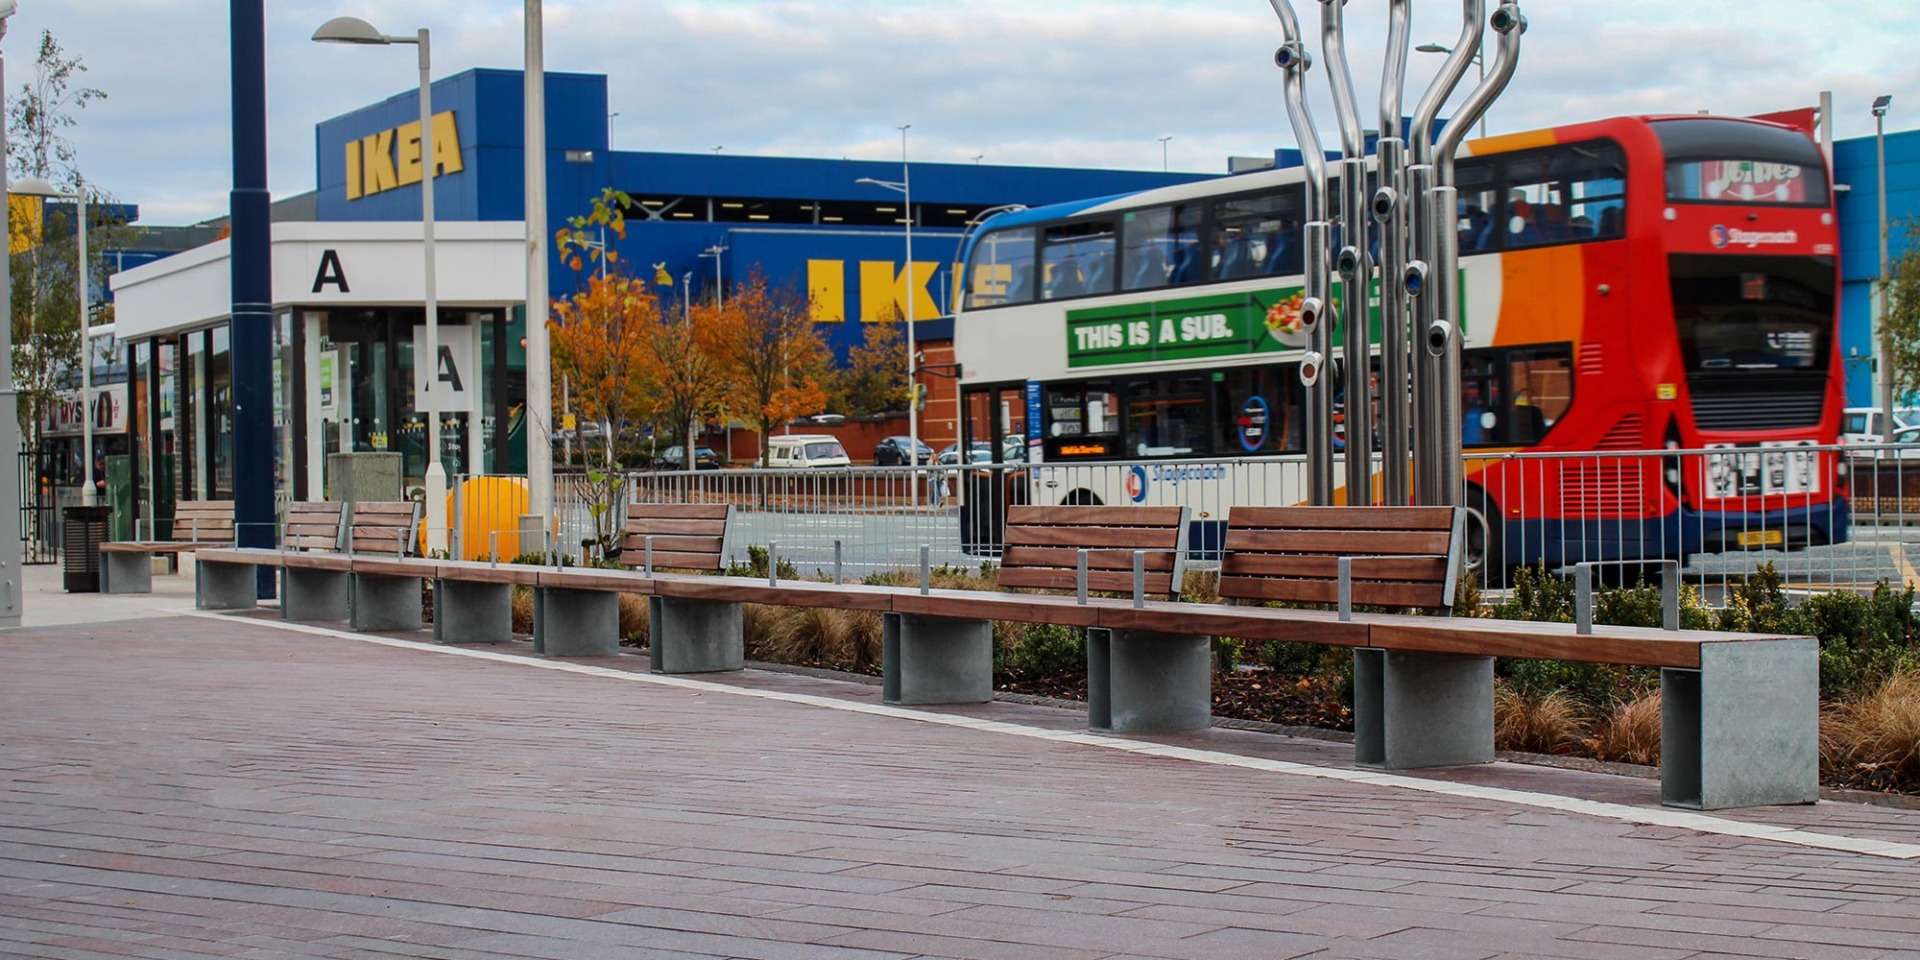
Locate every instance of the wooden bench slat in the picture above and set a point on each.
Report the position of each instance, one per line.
(1350, 542)
(1091, 516)
(1340, 518)
(790, 593)
(1550, 641)
(1146, 538)
(1109, 581)
(474, 571)
(1115, 558)
(661, 526)
(1248, 623)
(684, 511)
(980, 605)
(673, 560)
(1299, 565)
(1365, 592)
(368, 509)
(679, 544)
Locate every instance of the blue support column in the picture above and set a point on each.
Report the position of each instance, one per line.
(252, 328)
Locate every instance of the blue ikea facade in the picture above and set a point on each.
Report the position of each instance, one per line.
(1856, 166)
(801, 222)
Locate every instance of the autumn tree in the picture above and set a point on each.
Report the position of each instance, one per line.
(684, 381)
(1902, 322)
(600, 333)
(45, 301)
(774, 360)
(875, 377)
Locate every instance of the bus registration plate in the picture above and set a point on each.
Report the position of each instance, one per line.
(1761, 538)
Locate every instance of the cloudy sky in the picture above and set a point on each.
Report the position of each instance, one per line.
(1046, 82)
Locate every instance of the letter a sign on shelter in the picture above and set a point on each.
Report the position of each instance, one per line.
(458, 385)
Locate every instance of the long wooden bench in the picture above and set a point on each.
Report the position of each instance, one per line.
(126, 566)
(1740, 710)
(337, 562)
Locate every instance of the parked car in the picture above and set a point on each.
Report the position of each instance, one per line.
(892, 452)
(675, 458)
(977, 452)
(1868, 424)
(806, 450)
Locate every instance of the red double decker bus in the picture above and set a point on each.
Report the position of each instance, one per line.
(1650, 364)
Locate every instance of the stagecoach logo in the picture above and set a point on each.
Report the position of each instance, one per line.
(1137, 484)
(1724, 237)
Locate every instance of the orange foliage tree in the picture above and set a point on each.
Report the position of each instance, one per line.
(774, 361)
(875, 377)
(601, 339)
(684, 380)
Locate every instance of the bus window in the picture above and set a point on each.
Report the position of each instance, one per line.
(1571, 193)
(1002, 269)
(1258, 413)
(1158, 246)
(1482, 402)
(1078, 258)
(1476, 205)
(1717, 160)
(1540, 381)
(1255, 235)
(1166, 418)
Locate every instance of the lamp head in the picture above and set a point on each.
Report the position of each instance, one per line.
(1434, 48)
(7, 9)
(349, 30)
(1881, 103)
(37, 187)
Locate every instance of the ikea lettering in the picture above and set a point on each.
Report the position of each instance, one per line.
(391, 159)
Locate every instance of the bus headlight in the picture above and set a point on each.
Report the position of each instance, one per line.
(1310, 368)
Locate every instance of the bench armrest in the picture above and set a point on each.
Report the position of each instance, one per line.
(1139, 571)
(1345, 583)
(1583, 592)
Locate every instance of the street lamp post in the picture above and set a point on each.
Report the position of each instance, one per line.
(1478, 61)
(1880, 105)
(719, 279)
(36, 187)
(11, 595)
(905, 189)
(357, 31)
(1163, 152)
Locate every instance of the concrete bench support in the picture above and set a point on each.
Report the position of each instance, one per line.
(1413, 710)
(576, 623)
(126, 572)
(467, 612)
(386, 604)
(1744, 729)
(935, 659)
(309, 594)
(225, 586)
(694, 636)
(1143, 682)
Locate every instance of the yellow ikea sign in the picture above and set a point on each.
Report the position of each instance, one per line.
(883, 291)
(391, 158)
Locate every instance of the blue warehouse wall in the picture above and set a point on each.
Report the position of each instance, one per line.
(1855, 164)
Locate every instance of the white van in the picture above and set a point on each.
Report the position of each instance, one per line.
(1867, 424)
(806, 450)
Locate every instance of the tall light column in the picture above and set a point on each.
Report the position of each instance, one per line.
(10, 593)
(539, 355)
(1880, 105)
(356, 31)
(905, 189)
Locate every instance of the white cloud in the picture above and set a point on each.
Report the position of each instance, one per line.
(1064, 83)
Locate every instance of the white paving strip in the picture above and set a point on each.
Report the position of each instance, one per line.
(1651, 816)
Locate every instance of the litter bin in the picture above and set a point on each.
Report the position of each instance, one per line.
(85, 529)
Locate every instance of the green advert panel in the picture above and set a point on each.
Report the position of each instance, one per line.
(1192, 328)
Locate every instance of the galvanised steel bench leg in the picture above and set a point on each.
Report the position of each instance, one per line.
(578, 623)
(309, 594)
(468, 612)
(694, 636)
(1413, 710)
(1144, 682)
(927, 660)
(122, 572)
(225, 586)
(1744, 729)
(386, 604)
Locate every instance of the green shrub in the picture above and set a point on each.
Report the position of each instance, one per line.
(1537, 595)
(1757, 603)
(1044, 650)
(1863, 640)
(756, 565)
(1641, 606)
(1288, 658)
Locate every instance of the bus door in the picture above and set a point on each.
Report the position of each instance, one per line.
(993, 440)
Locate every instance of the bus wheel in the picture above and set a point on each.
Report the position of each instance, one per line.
(1081, 498)
(1486, 547)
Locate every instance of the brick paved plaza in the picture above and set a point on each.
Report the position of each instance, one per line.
(190, 787)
